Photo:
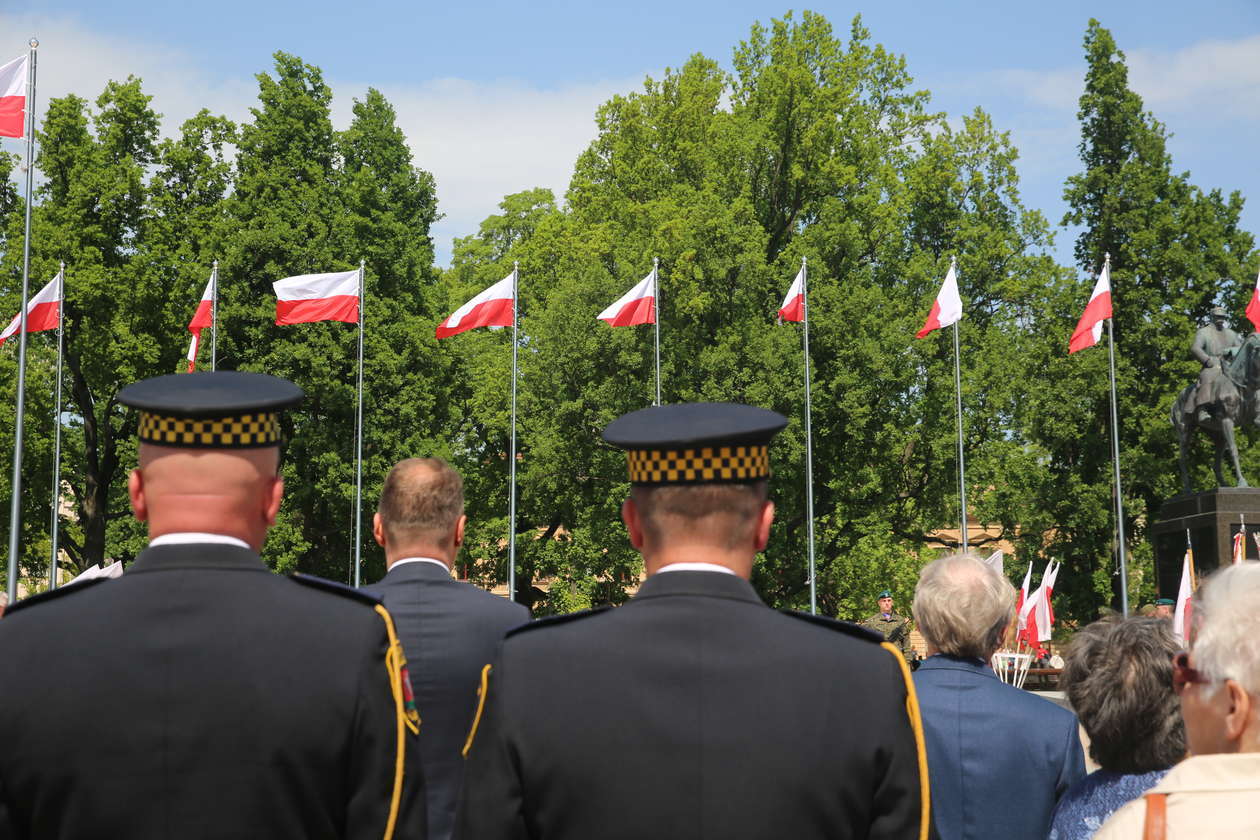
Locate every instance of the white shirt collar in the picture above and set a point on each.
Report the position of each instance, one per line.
(197, 537)
(403, 560)
(694, 567)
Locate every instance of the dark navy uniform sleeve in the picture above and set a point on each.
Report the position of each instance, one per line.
(902, 804)
(490, 805)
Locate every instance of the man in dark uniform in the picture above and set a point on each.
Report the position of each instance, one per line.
(694, 710)
(893, 627)
(450, 629)
(1212, 346)
(199, 695)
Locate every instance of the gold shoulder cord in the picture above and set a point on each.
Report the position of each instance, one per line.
(481, 705)
(916, 724)
(394, 662)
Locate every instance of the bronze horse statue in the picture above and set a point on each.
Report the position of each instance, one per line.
(1237, 405)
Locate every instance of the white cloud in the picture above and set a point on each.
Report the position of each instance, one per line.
(1206, 75)
(481, 140)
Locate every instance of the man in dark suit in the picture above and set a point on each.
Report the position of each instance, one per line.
(449, 629)
(199, 695)
(694, 711)
(999, 758)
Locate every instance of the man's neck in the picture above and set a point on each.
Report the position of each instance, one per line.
(420, 553)
(654, 560)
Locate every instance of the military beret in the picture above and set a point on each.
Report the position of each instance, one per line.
(1165, 602)
(696, 443)
(212, 409)
(885, 594)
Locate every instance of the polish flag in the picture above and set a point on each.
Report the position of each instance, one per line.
(42, 311)
(1022, 596)
(318, 297)
(202, 318)
(793, 308)
(1044, 611)
(1240, 545)
(492, 307)
(1028, 619)
(948, 306)
(13, 98)
(637, 306)
(1089, 328)
(1184, 611)
(1253, 308)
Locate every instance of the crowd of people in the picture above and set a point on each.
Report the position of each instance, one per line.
(201, 696)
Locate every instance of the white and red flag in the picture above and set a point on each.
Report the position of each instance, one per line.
(1044, 609)
(637, 306)
(947, 309)
(13, 98)
(202, 318)
(318, 297)
(1240, 545)
(1022, 595)
(492, 307)
(793, 308)
(1184, 613)
(1253, 306)
(42, 311)
(1089, 328)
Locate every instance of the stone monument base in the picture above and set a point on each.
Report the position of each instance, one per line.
(1212, 517)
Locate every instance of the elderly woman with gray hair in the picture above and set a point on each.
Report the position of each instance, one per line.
(998, 757)
(1118, 678)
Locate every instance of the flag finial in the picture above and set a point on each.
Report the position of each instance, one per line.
(34, 42)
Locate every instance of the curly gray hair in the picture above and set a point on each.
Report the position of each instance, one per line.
(1227, 626)
(963, 606)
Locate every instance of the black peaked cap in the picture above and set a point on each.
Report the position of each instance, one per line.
(690, 425)
(211, 394)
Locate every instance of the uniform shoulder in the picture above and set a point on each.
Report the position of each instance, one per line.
(553, 621)
(332, 586)
(856, 631)
(53, 595)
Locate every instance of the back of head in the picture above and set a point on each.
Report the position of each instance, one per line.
(963, 606)
(421, 502)
(1118, 678)
(1227, 626)
(720, 515)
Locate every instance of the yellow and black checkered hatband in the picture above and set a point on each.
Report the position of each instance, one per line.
(695, 466)
(240, 432)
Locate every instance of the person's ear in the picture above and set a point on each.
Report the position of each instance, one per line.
(378, 530)
(634, 523)
(272, 499)
(764, 520)
(135, 491)
(459, 530)
(1239, 709)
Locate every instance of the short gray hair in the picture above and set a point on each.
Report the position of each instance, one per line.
(1227, 626)
(1118, 678)
(963, 606)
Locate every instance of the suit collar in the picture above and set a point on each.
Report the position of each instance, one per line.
(162, 558)
(713, 585)
(945, 662)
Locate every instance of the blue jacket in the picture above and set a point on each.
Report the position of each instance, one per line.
(998, 758)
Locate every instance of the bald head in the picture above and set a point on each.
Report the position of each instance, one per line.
(421, 512)
(233, 492)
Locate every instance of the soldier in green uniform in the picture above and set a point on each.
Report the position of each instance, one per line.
(895, 628)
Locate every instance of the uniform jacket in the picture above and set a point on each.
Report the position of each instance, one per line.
(694, 711)
(202, 696)
(999, 757)
(887, 627)
(1210, 796)
(450, 631)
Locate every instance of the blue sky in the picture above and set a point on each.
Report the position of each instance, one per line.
(498, 97)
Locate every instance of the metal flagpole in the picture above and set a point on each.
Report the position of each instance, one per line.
(962, 470)
(214, 314)
(656, 304)
(56, 482)
(358, 435)
(809, 446)
(512, 454)
(15, 508)
(1115, 458)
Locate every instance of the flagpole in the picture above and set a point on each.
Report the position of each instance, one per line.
(214, 314)
(56, 482)
(962, 470)
(15, 508)
(656, 302)
(512, 453)
(358, 434)
(1115, 459)
(809, 446)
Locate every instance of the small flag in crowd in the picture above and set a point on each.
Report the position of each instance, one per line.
(637, 306)
(1253, 307)
(42, 312)
(1022, 596)
(1240, 545)
(202, 318)
(492, 307)
(793, 308)
(13, 98)
(1089, 328)
(1184, 612)
(947, 309)
(318, 297)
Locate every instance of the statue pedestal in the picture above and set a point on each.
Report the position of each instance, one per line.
(1212, 518)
